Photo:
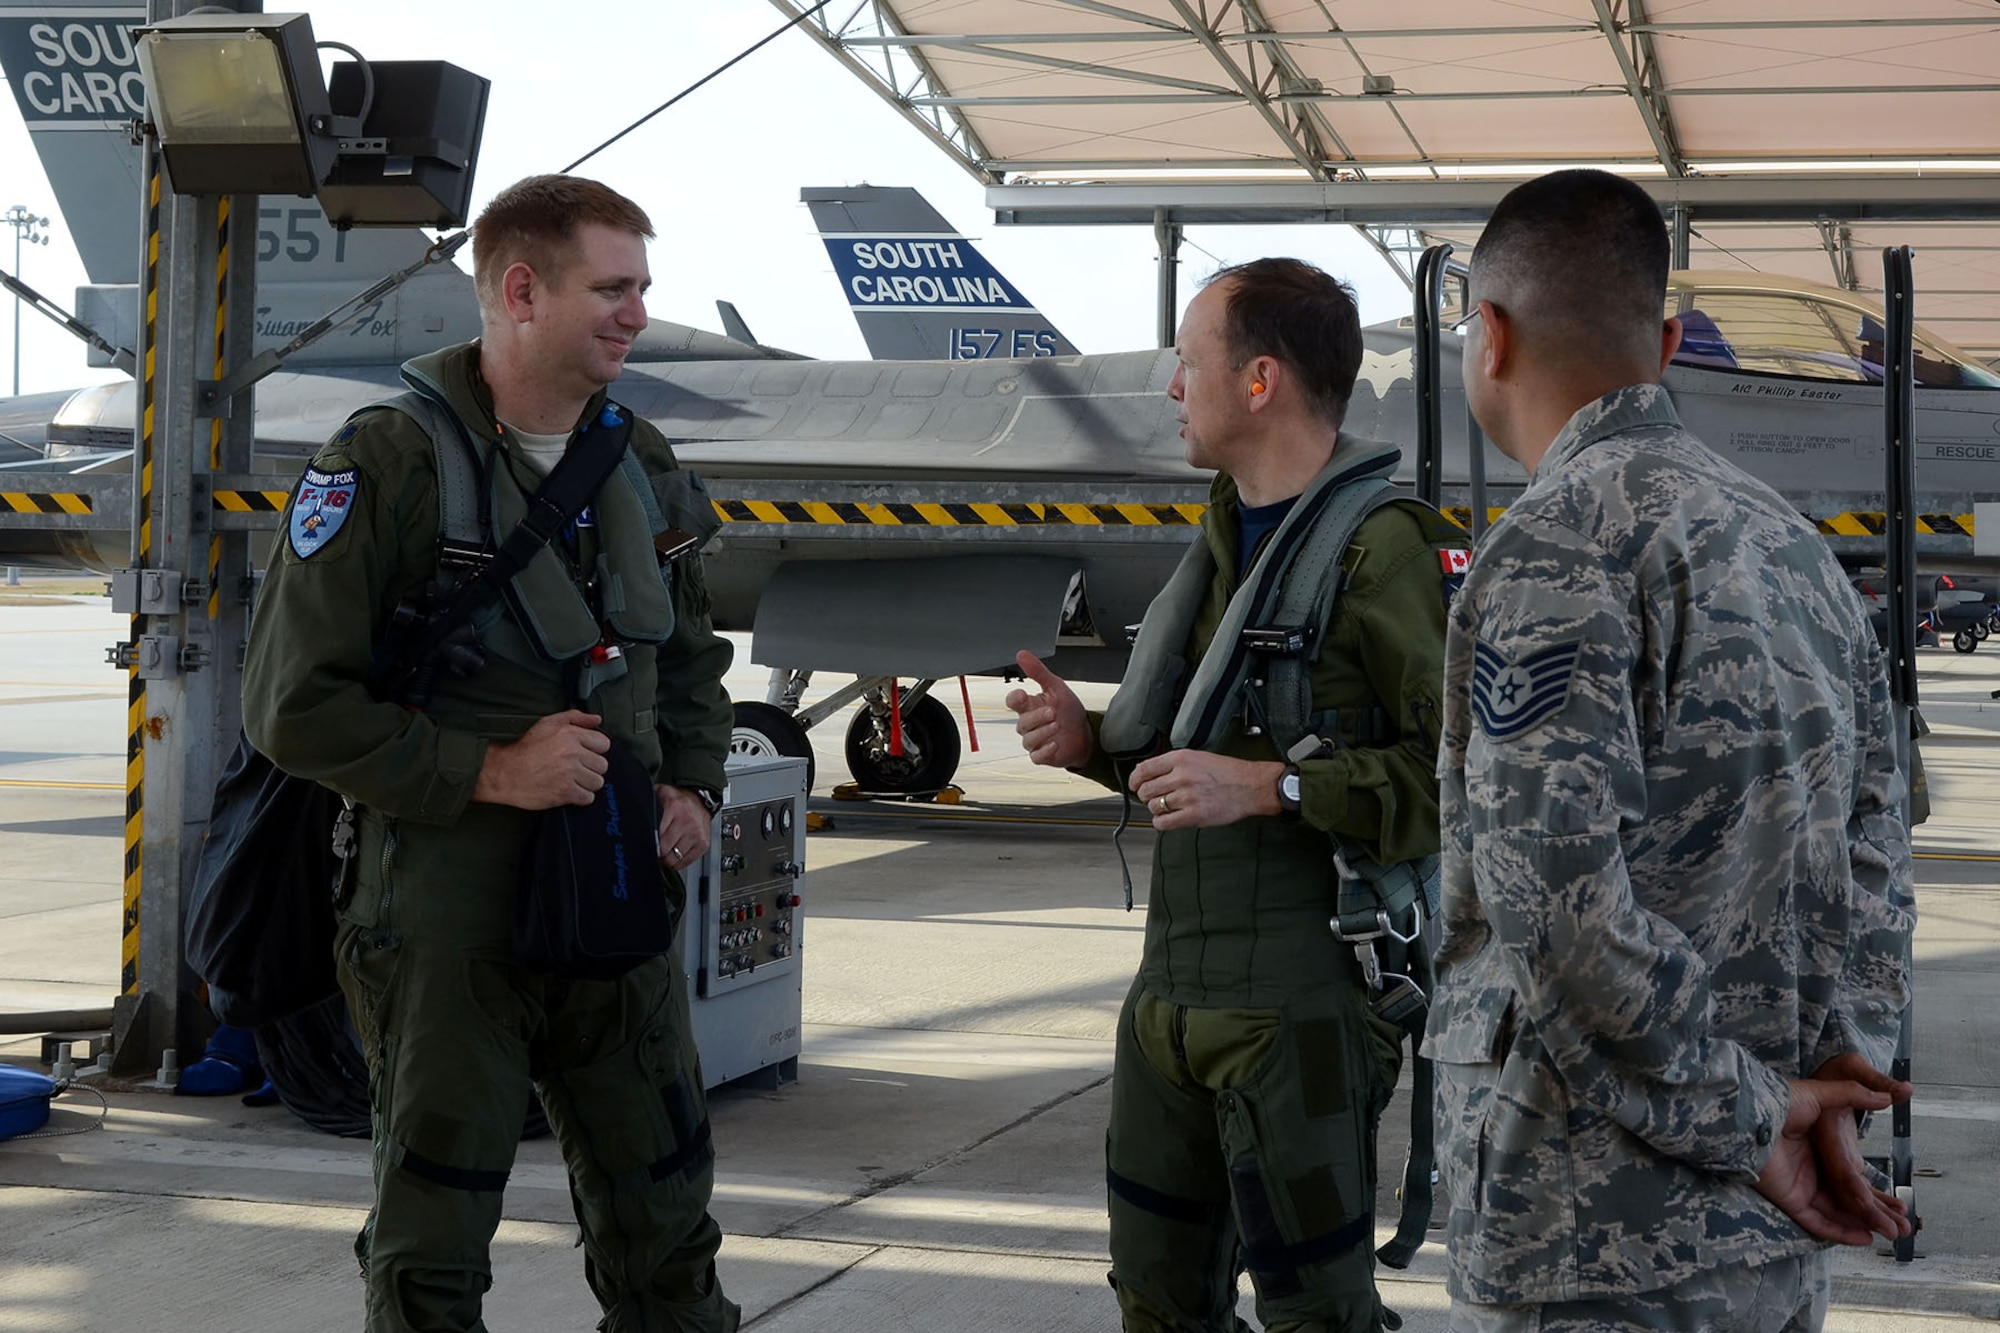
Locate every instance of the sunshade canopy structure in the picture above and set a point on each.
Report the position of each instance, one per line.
(1794, 136)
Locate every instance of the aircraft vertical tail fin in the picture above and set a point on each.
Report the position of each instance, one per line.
(918, 289)
(74, 69)
(75, 75)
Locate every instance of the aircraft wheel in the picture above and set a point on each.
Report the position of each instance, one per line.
(1980, 629)
(766, 731)
(1964, 641)
(930, 749)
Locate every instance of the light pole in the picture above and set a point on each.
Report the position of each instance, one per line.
(24, 223)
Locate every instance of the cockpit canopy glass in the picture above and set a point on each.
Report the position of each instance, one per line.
(1801, 333)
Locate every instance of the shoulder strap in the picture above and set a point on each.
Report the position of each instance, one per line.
(1312, 585)
(635, 477)
(462, 517)
(590, 460)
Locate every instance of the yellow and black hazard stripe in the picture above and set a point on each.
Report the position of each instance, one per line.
(45, 502)
(898, 514)
(251, 502)
(1853, 523)
(135, 686)
(221, 367)
(1860, 524)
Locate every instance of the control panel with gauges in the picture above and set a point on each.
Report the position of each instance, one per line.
(743, 929)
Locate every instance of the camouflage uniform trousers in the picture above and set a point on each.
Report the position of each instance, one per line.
(1245, 1138)
(1784, 1296)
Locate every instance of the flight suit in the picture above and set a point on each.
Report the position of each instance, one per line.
(1250, 1073)
(455, 1032)
(1675, 874)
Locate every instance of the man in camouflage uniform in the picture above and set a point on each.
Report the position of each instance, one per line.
(1250, 1070)
(1677, 906)
(454, 1029)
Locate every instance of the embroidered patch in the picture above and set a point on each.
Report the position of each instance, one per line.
(1455, 560)
(322, 506)
(1510, 697)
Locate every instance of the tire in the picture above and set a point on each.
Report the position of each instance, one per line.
(930, 750)
(765, 731)
(314, 1062)
(1980, 629)
(1963, 641)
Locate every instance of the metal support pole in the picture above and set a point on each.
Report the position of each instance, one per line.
(1899, 421)
(1475, 469)
(1430, 402)
(1680, 229)
(1168, 235)
(186, 650)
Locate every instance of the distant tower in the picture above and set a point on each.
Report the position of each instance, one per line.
(24, 224)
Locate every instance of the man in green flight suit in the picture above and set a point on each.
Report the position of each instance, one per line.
(1251, 1067)
(599, 644)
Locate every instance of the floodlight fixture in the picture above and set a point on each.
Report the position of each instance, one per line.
(238, 102)
(240, 106)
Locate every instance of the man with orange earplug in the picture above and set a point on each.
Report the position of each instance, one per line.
(1279, 719)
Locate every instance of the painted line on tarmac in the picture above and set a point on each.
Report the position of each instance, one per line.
(71, 786)
(1955, 856)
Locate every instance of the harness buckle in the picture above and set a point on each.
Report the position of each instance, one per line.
(462, 555)
(1349, 936)
(1399, 1000)
(1371, 966)
(1281, 640)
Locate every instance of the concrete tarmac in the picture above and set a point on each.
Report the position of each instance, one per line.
(938, 1164)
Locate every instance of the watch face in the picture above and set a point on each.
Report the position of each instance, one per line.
(1288, 787)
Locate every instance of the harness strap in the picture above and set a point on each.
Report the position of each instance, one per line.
(1196, 1212)
(683, 1159)
(1306, 598)
(451, 1177)
(1417, 1190)
(1278, 1263)
(635, 477)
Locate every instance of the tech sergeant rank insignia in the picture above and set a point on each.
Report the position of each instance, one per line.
(320, 508)
(1508, 697)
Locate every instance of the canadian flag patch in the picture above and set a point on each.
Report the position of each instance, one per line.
(1455, 560)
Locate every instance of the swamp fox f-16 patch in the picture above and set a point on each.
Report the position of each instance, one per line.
(321, 507)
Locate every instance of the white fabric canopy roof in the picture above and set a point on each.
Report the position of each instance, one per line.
(1805, 105)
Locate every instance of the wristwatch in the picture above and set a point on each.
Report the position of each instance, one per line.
(1288, 794)
(711, 799)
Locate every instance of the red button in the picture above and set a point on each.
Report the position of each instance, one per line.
(760, 909)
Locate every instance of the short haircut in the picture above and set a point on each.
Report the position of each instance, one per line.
(532, 221)
(1303, 316)
(1579, 259)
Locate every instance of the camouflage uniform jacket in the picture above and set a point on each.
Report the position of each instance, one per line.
(1675, 868)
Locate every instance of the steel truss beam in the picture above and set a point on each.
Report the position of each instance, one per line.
(1641, 66)
(1968, 196)
(943, 126)
(1309, 155)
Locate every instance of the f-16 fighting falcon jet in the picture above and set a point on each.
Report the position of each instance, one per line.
(902, 520)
